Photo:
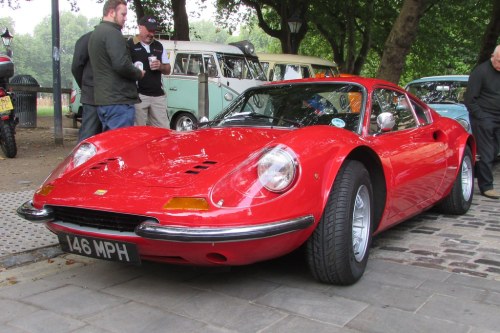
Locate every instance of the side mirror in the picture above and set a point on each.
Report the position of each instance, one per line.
(386, 122)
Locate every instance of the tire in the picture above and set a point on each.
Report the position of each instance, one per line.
(337, 251)
(184, 122)
(8, 140)
(460, 198)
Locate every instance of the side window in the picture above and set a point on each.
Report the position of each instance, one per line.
(305, 72)
(386, 100)
(279, 72)
(195, 65)
(423, 115)
(180, 65)
(210, 65)
(265, 68)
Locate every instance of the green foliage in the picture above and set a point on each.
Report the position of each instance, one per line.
(33, 54)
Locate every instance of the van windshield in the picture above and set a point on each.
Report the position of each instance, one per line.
(325, 71)
(237, 67)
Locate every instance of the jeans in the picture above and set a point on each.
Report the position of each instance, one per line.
(116, 116)
(91, 125)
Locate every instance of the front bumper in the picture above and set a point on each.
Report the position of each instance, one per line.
(152, 230)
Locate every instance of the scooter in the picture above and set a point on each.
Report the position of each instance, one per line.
(8, 119)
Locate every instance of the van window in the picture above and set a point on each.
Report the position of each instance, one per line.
(210, 65)
(324, 71)
(234, 67)
(290, 72)
(188, 64)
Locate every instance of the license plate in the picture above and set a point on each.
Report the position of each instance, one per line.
(5, 104)
(100, 248)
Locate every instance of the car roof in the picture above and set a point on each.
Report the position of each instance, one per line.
(442, 78)
(294, 58)
(200, 46)
(365, 81)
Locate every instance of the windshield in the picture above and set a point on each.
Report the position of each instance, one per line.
(439, 92)
(297, 105)
(325, 71)
(237, 67)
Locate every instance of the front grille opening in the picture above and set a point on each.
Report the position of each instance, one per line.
(99, 219)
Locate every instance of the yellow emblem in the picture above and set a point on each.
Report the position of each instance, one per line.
(101, 192)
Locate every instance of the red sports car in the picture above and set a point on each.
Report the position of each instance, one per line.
(324, 163)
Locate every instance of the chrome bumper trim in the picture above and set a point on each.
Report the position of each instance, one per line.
(191, 234)
(30, 213)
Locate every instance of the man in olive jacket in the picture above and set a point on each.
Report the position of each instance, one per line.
(115, 76)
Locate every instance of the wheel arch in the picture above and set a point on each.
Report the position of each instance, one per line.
(374, 167)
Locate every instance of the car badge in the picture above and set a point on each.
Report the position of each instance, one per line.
(101, 192)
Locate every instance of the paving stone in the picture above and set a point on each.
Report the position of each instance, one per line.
(318, 306)
(74, 301)
(11, 309)
(388, 320)
(137, 317)
(44, 321)
(295, 324)
(228, 312)
(462, 311)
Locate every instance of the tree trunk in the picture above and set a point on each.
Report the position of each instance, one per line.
(400, 39)
(181, 22)
(491, 34)
(139, 9)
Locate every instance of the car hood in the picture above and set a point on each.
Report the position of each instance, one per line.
(450, 110)
(176, 159)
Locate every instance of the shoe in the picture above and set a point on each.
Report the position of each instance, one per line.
(492, 194)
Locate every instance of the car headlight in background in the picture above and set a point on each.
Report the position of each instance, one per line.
(84, 153)
(276, 169)
(465, 124)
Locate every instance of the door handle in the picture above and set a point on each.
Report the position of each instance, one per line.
(173, 89)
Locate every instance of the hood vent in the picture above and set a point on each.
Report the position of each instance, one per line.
(200, 167)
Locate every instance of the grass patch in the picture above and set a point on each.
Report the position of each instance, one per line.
(46, 111)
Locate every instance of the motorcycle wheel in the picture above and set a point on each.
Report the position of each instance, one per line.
(8, 140)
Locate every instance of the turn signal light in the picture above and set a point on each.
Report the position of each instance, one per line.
(183, 203)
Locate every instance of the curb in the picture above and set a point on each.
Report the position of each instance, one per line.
(28, 257)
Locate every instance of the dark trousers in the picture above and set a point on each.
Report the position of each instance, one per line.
(487, 134)
(91, 124)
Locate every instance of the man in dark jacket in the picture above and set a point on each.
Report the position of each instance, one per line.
(483, 103)
(82, 72)
(115, 76)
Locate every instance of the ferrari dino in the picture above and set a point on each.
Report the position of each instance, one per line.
(321, 163)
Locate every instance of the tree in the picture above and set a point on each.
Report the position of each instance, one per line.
(400, 39)
(491, 34)
(273, 18)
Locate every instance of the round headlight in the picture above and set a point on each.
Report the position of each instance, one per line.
(84, 153)
(277, 169)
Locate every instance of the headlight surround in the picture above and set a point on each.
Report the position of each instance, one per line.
(83, 153)
(277, 169)
(263, 177)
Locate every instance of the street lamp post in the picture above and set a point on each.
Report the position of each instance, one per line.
(294, 24)
(7, 40)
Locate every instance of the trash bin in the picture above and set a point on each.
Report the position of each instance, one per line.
(25, 101)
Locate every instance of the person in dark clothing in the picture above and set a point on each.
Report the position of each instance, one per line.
(82, 72)
(483, 103)
(115, 76)
(144, 48)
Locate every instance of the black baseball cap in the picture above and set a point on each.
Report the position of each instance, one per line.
(149, 22)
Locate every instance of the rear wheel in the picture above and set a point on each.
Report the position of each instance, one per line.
(8, 140)
(338, 249)
(460, 197)
(185, 121)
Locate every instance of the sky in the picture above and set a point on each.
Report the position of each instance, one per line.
(31, 13)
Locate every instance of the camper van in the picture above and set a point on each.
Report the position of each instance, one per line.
(292, 66)
(231, 69)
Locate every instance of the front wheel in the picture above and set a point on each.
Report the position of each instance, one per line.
(337, 251)
(8, 140)
(460, 198)
(184, 122)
